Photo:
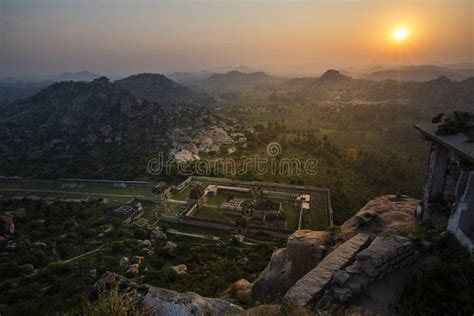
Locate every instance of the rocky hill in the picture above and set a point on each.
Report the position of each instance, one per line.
(78, 127)
(159, 88)
(98, 129)
(334, 88)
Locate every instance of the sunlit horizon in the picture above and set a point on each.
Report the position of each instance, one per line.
(49, 37)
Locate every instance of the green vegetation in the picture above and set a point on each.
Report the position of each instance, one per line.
(60, 251)
(445, 289)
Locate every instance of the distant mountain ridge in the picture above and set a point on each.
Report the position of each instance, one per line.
(159, 88)
(78, 76)
(420, 73)
(235, 77)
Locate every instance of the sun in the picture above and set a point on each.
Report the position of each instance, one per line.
(400, 34)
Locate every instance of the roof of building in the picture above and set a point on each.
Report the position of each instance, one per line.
(270, 217)
(122, 212)
(265, 205)
(459, 142)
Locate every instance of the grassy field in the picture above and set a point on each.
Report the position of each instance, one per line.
(212, 213)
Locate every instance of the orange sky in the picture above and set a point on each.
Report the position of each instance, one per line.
(117, 36)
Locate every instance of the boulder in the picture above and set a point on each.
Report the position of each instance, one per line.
(170, 246)
(180, 269)
(273, 282)
(124, 261)
(138, 259)
(305, 249)
(163, 302)
(264, 310)
(134, 268)
(238, 291)
(384, 215)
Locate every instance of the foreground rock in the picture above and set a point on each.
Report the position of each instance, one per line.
(304, 250)
(238, 292)
(315, 282)
(163, 302)
(387, 215)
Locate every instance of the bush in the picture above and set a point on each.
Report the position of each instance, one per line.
(113, 304)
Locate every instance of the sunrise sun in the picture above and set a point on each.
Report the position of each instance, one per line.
(400, 34)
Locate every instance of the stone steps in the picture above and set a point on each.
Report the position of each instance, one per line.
(313, 285)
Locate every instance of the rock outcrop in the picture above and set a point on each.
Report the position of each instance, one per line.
(384, 215)
(303, 274)
(163, 302)
(304, 250)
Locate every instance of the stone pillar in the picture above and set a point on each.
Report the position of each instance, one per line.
(461, 221)
(435, 176)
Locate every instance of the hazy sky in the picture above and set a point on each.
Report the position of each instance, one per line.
(121, 37)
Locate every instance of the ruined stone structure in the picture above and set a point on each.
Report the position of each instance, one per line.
(161, 191)
(449, 184)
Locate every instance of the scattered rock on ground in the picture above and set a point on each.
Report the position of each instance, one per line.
(180, 268)
(170, 246)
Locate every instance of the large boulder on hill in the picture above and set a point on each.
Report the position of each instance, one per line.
(304, 250)
(384, 215)
(163, 302)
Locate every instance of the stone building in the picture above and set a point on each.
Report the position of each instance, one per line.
(126, 213)
(258, 209)
(276, 220)
(161, 191)
(232, 205)
(449, 184)
(197, 195)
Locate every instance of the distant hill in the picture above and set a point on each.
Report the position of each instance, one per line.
(78, 76)
(245, 69)
(420, 73)
(12, 91)
(239, 78)
(333, 88)
(80, 128)
(189, 77)
(332, 75)
(159, 88)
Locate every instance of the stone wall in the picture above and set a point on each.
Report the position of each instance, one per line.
(314, 284)
(451, 180)
(383, 256)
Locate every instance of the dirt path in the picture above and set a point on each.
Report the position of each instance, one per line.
(85, 254)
